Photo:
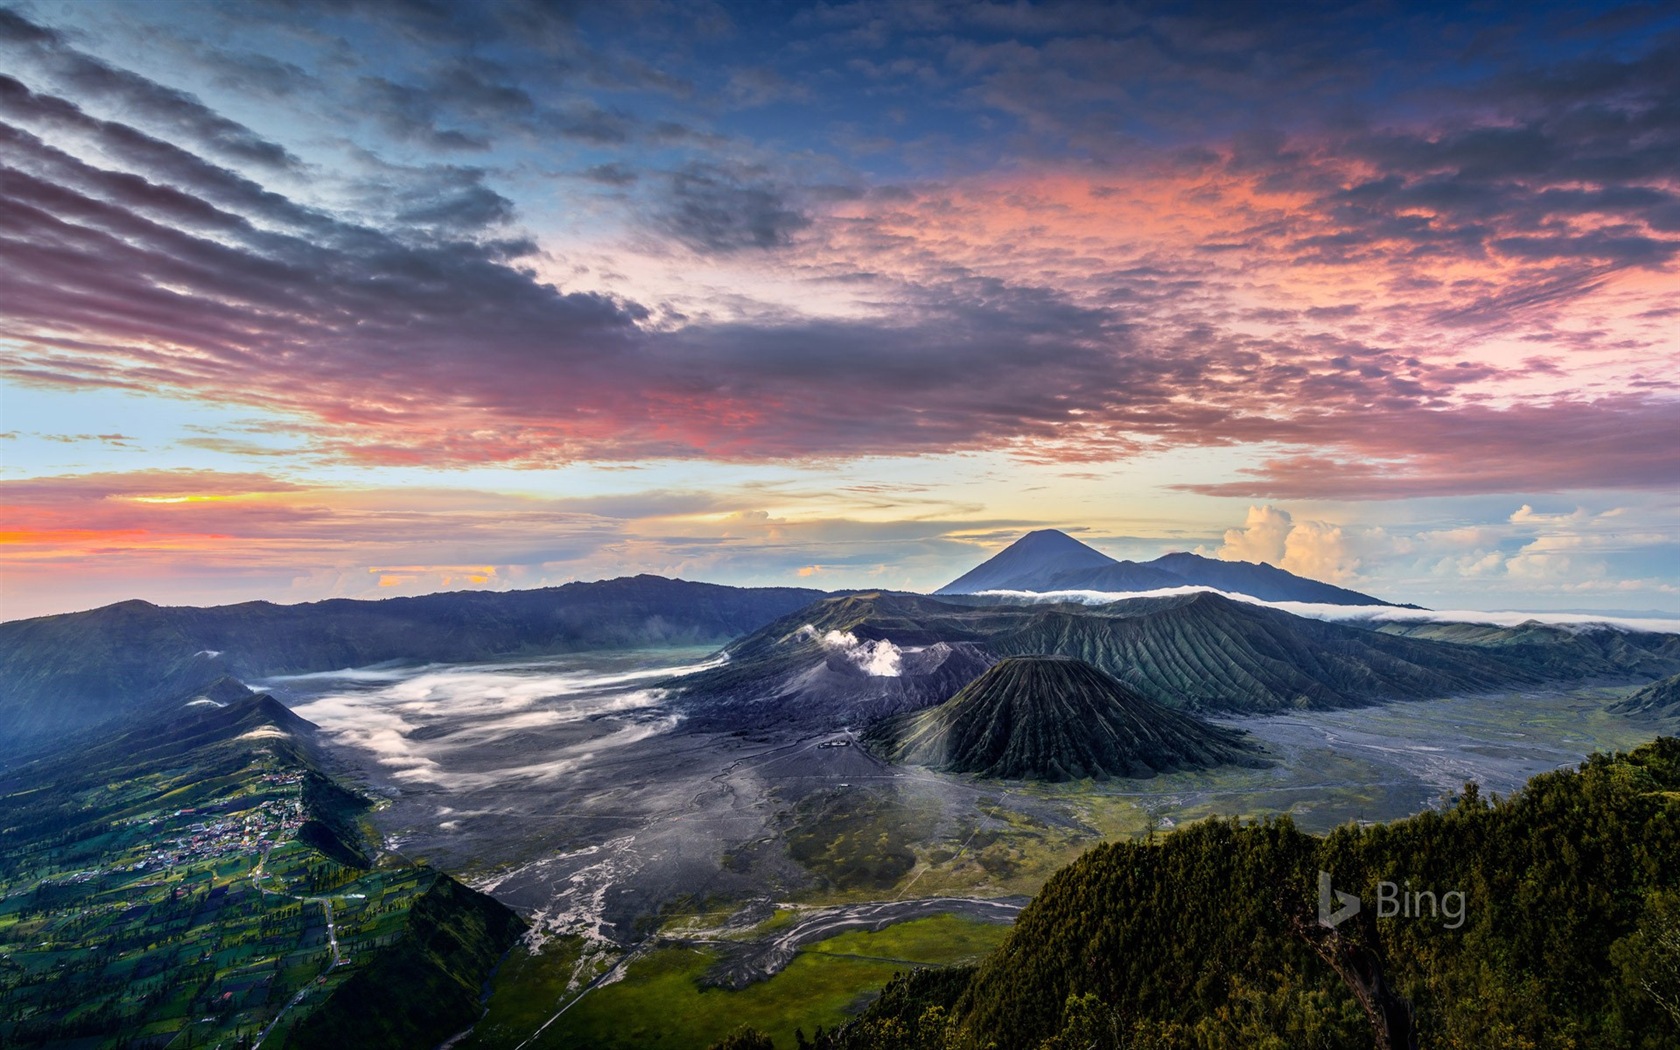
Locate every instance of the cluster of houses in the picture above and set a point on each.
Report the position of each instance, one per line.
(220, 834)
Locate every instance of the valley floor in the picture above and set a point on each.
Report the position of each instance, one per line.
(780, 879)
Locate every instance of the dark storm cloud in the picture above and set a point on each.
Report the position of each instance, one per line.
(714, 209)
(432, 21)
(421, 331)
(419, 72)
(187, 254)
(592, 124)
(172, 275)
(465, 205)
(549, 28)
(252, 73)
(160, 160)
(1617, 443)
(473, 105)
(413, 114)
(173, 135)
(481, 95)
(172, 112)
(611, 175)
(1580, 165)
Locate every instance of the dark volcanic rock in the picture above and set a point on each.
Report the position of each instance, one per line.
(1053, 718)
(1198, 650)
(824, 689)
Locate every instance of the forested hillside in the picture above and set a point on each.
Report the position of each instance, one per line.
(195, 879)
(1569, 934)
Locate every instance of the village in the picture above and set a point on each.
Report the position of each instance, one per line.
(225, 826)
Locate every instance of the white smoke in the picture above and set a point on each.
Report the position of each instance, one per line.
(878, 658)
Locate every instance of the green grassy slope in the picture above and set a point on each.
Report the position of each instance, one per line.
(1558, 652)
(664, 1001)
(157, 885)
(425, 987)
(1660, 698)
(1207, 651)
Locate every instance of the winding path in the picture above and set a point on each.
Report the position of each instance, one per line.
(332, 941)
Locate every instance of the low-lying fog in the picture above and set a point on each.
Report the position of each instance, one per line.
(563, 787)
(471, 726)
(1367, 613)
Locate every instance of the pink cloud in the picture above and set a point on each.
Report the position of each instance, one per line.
(1368, 302)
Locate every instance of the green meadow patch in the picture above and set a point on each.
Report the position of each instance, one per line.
(660, 1002)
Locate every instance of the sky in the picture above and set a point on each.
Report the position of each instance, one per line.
(305, 299)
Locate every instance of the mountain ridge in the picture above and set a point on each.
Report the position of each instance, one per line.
(1660, 699)
(193, 783)
(1198, 650)
(1050, 560)
(77, 670)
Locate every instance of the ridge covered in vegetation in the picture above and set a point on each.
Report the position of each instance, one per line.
(196, 877)
(1546, 920)
(1661, 698)
(427, 986)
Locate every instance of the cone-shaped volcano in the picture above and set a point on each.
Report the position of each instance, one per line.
(1052, 718)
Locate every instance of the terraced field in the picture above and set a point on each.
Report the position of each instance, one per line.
(200, 882)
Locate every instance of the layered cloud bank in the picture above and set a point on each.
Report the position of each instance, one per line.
(1412, 301)
(1371, 613)
(1216, 247)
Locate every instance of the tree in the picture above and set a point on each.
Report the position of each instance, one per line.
(746, 1038)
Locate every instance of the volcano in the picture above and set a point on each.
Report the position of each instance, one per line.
(1054, 718)
(1050, 560)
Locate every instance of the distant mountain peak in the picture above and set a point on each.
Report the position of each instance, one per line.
(1056, 537)
(1028, 561)
(1056, 544)
(1051, 560)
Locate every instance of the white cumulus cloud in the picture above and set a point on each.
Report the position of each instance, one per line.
(1319, 550)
